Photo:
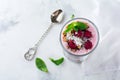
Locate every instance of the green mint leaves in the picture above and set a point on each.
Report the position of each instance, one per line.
(76, 26)
(40, 64)
(58, 61)
(79, 26)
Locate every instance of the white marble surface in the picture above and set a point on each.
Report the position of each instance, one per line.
(22, 22)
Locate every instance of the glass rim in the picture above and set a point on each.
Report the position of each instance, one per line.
(94, 27)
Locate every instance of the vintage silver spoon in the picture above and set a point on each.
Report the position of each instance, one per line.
(56, 17)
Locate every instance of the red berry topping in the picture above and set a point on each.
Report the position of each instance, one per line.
(78, 34)
(71, 44)
(88, 44)
(87, 34)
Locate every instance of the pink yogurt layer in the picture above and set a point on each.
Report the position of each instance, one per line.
(94, 38)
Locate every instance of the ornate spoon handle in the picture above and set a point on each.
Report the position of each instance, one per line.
(30, 54)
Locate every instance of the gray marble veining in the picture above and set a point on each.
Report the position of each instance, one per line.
(7, 20)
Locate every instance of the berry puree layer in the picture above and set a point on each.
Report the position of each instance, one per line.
(79, 36)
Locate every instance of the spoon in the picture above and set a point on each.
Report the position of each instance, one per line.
(56, 17)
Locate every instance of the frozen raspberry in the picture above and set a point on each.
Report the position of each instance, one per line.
(87, 34)
(78, 34)
(88, 44)
(71, 44)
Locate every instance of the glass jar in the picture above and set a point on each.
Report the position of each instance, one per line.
(79, 56)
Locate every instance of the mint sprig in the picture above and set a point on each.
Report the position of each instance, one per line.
(72, 16)
(76, 26)
(58, 61)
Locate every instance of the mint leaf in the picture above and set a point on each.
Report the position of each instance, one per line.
(81, 25)
(58, 61)
(69, 28)
(76, 26)
(72, 16)
(40, 64)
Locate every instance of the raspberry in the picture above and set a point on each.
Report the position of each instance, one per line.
(78, 34)
(88, 44)
(87, 34)
(71, 44)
